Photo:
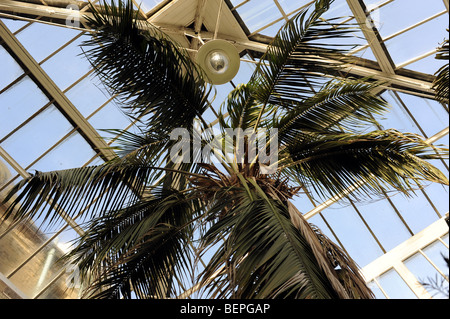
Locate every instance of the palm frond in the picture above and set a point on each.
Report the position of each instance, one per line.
(153, 78)
(81, 192)
(441, 82)
(142, 248)
(299, 56)
(346, 105)
(242, 109)
(262, 254)
(379, 160)
(339, 267)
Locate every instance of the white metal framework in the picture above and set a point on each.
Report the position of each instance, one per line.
(39, 58)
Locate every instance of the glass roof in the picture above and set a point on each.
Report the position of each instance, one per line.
(54, 112)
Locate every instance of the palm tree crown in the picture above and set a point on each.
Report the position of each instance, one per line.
(151, 216)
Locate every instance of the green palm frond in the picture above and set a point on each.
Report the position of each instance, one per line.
(144, 210)
(299, 56)
(142, 248)
(81, 191)
(263, 254)
(241, 107)
(70, 191)
(441, 82)
(153, 78)
(333, 260)
(378, 160)
(345, 105)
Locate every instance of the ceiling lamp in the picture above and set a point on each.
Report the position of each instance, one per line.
(220, 61)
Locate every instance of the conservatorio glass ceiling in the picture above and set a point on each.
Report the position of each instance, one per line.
(54, 112)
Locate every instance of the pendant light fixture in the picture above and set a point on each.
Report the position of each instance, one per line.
(220, 61)
(218, 58)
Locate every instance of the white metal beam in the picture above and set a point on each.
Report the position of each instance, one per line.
(19, 7)
(395, 257)
(199, 15)
(446, 4)
(373, 38)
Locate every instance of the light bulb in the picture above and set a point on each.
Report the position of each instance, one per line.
(218, 61)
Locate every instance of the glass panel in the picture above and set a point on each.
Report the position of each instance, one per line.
(221, 96)
(13, 25)
(397, 117)
(445, 239)
(246, 70)
(394, 286)
(272, 30)
(429, 114)
(6, 172)
(39, 44)
(257, 14)
(37, 136)
(72, 152)
(292, 5)
(39, 271)
(428, 276)
(353, 234)
(303, 203)
(417, 211)
(88, 95)
(109, 117)
(439, 196)
(18, 244)
(436, 252)
(16, 107)
(401, 14)
(67, 66)
(9, 69)
(338, 9)
(385, 223)
(428, 65)
(63, 288)
(147, 5)
(376, 290)
(419, 40)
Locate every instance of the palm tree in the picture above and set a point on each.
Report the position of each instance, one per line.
(151, 217)
(440, 84)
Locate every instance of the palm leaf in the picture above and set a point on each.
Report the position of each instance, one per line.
(153, 78)
(141, 248)
(262, 253)
(441, 82)
(380, 160)
(74, 192)
(242, 109)
(345, 105)
(293, 68)
(339, 267)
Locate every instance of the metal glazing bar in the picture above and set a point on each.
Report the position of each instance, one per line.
(404, 30)
(285, 16)
(279, 19)
(434, 265)
(54, 93)
(372, 36)
(446, 4)
(405, 249)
